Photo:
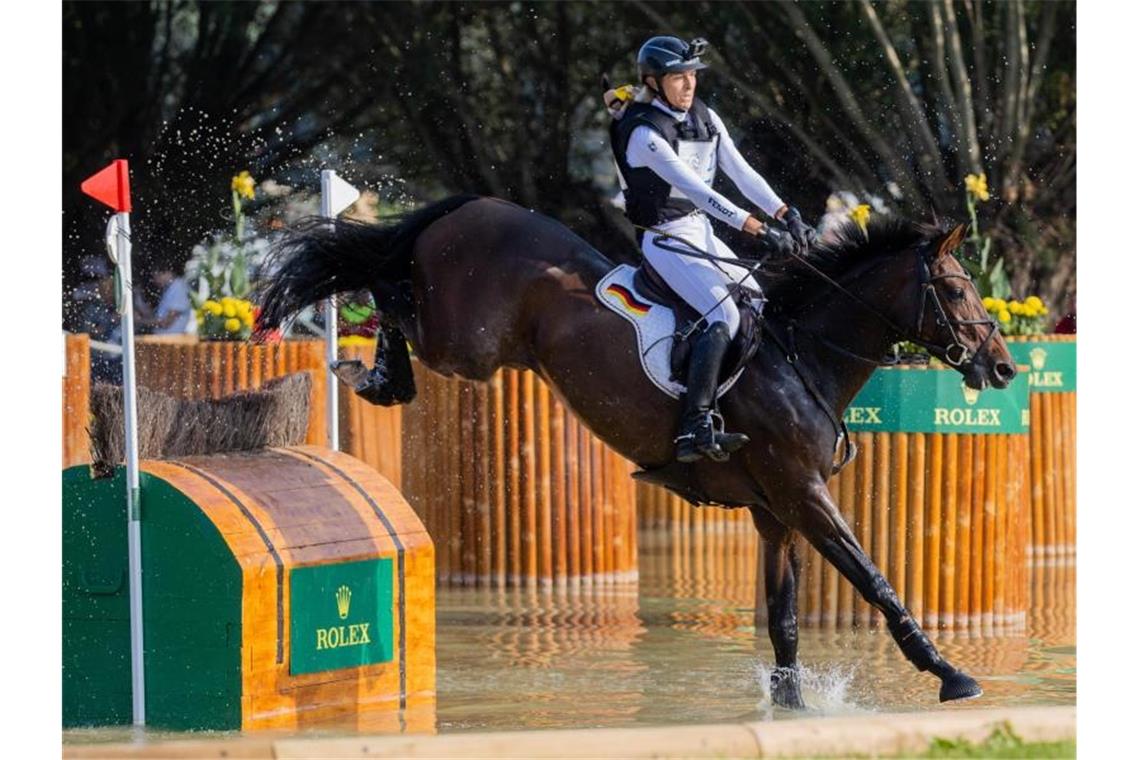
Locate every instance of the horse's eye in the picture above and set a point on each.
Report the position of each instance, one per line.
(957, 294)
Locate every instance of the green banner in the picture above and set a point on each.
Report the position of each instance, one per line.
(340, 616)
(937, 401)
(1052, 366)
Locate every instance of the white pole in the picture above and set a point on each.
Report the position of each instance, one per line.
(122, 223)
(331, 401)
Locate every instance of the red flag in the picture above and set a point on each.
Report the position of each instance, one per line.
(111, 185)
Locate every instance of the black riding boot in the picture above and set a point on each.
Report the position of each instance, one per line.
(698, 437)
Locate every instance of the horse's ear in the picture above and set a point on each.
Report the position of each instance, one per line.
(951, 241)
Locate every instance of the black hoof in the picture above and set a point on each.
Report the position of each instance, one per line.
(786, 688)
(958, 685)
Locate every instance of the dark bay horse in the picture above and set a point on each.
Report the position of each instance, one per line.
(475, 284)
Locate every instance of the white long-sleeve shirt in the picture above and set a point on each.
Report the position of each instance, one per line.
(647, 148)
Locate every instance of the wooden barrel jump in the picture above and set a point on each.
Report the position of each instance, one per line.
(1052, 365)
(514, 490)
(282, 588)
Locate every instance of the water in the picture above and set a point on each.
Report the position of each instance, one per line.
(684, 651)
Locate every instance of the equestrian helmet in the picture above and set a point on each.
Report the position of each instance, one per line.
(669, 55)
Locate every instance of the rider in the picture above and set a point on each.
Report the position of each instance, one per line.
(668, 145)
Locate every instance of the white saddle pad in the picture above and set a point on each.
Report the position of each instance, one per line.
(653, 324)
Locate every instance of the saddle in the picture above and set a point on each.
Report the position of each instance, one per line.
(651, 285)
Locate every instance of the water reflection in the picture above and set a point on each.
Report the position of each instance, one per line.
(683, 649)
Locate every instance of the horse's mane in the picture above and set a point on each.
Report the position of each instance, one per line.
(790, 286)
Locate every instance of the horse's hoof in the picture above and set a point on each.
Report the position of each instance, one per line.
(958, 685)
(786, 688)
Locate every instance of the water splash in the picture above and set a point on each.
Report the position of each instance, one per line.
(825, 689)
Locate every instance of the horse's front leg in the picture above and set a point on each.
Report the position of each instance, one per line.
(813, 513)
(781, 569)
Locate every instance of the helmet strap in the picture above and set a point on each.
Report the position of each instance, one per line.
(661, 93)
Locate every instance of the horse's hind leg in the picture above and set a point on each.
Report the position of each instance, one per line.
(390, 381)
(781, 570)
(820, 522)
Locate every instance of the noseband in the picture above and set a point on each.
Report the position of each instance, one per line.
(955, 352)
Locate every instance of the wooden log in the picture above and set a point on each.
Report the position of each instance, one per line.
(76, 399)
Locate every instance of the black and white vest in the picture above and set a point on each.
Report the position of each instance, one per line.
(650, 200)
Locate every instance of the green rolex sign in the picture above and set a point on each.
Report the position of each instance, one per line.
(937, 401)
(1052, 366)
(340, 616)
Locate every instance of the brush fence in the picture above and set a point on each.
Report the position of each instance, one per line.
(185, 367)
(283, 588)
(938, 496)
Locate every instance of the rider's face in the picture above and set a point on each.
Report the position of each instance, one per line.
(680, 88)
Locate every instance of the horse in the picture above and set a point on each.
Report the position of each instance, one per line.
(478, 283)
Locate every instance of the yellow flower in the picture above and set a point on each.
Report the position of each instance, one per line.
(1003, 316)
(999, 304)
(229, 310)
(232, 325)
(976, 186)
(242, 184)
(860, 214)
(1034, 302)
(1015, 307)
(988, 302)
(247, 318)
(213, 307)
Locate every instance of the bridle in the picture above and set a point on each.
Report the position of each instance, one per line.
(954, 352)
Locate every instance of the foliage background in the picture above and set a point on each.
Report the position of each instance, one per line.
(421, 99)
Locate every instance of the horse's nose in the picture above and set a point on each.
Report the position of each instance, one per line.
(1004, 372)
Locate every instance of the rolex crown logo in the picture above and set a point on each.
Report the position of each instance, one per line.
(1037, 358)
(343, 599)
(970, 394)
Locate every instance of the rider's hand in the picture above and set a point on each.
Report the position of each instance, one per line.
(801, 233)
(779, 241)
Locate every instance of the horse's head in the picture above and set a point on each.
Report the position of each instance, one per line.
(951, 321)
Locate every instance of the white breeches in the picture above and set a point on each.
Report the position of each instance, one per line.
(703, 284)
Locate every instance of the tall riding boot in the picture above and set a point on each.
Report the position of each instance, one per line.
(698, 437)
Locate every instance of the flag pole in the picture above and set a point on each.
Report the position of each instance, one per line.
(336, 196)
(111, 186)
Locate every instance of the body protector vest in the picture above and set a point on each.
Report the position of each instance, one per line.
(650, 200)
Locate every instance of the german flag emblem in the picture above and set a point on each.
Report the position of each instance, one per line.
(628, 300)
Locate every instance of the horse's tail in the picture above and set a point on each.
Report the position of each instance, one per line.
(319, 258)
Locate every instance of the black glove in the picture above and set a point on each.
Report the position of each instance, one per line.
(778, 241)
(803, 235)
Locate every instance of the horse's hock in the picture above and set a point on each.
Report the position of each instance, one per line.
(939, 496)
(282, 588)
(513, 488)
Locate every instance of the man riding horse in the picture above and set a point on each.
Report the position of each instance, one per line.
(668, 145)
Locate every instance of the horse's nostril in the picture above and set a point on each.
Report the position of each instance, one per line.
(1005, 370)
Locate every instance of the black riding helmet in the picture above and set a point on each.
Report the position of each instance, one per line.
(669, 55)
